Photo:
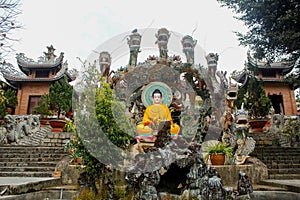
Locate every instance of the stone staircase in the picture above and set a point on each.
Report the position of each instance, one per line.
(282, 162)
(29, 161)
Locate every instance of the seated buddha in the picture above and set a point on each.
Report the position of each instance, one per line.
(154, 115)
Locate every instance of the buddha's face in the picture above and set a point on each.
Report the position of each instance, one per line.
(157, 99)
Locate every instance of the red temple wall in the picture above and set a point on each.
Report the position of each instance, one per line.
(288, 95)
(30, 89)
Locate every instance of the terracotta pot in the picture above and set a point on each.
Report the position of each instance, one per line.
(257, 125)
(57, 174)
(69, 115)
(43, 122)
(9, 110)
(57, 123)
(217, 159)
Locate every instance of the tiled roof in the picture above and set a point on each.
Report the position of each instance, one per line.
(26, 63)
(11, 74)
(286, 67)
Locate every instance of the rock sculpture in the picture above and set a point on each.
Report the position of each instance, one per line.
(20, 126)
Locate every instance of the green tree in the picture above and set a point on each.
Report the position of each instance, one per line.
(60, 96)
(254, 98)
(8, 99)
(273, 30)
(98, 131)
(44, 106)
(274, 26)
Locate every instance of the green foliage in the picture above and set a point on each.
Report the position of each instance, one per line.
(254, 98)
(274, 30)
(105, 103)
(59, 99)
(8, 99)
(69, 126)
(11, 98)
(44, 106)
(60, 95)
(98, 132)
(220, 147)
(274, 26)
(87, 194)
(3, 110)
(291, 129)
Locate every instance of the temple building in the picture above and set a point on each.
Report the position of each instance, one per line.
(35, 78)
(279, 91)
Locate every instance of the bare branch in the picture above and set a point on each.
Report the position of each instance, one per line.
(9, 11)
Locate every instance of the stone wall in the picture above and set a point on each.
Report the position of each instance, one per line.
(230, 173)
(262, 139)
(57, 138)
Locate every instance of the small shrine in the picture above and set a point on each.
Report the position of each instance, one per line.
(35, 77)
(279, 91)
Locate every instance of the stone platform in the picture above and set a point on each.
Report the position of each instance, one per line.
(230, 173)
(20, 185)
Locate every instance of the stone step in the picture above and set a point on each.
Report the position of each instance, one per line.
(27, 169)
(26, 174)
(296, 160)
(275, 162)
(284, 176)
(278, 150)
(25, 151)
(284, 166)
(50, 151)
(22, 147)
(284, 171)
(288, 185)
(35, 155)
(275, 154)
(31, 159)
(28, 164)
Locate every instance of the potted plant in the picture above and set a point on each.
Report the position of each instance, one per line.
(43, 107)
(217, 153)
(255, 101)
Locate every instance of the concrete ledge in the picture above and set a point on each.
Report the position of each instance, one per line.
(274, 195)
(20, 185)
(48, 194)
(230, 173)
(290, 185)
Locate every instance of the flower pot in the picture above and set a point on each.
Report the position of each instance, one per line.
(217, 159)
(57, 125)
(257, 125)
(69, 115)
(9, 110)
(57, 174)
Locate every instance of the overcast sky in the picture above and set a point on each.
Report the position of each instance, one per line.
(79, 27)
